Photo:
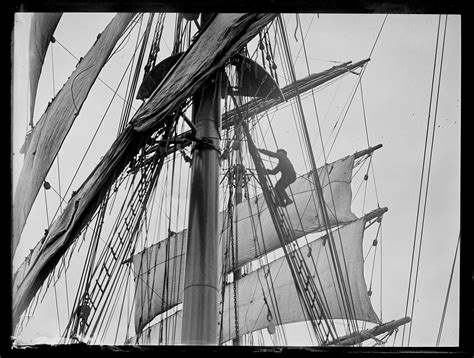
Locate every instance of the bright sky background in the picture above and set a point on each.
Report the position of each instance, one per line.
(396, 89)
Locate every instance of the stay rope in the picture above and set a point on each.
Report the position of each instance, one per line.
(348, 303)
(443, 315)
(129, 29)
(426, 145)
(353, 320)
(92, 139)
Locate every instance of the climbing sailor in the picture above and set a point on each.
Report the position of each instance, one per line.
(288, 175)
(82, 313)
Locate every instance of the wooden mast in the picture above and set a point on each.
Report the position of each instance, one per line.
(200, 306)
(200, 296)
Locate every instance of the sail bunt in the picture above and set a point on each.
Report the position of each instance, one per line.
(252, 294)
(58, 119)
(41, 32)
(257, 236)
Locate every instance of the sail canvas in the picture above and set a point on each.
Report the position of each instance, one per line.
(164, 262)
(53, 126)
(253, 291)
(42, 29)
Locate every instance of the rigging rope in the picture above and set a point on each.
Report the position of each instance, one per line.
(381, 272)
(121, 309)
(365, 116)
(274, 302)
(120, 251)
(297, 265)
(123, 116)
(347, 107)
(98, 77)
(358, 83)
(441, 324)
(232, 208)
(348, 301)
(367, 132)
(378, 35)
(125, 37)
(92, 140)
(422, 177)
(320, 133)
(131, 91)
(125, 249)
(270, 285)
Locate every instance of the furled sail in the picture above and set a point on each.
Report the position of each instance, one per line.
(257, 236)
(56, 122)
(43, 258)
(259, 105)
(253, 311)
(223, 37)
(41, 32)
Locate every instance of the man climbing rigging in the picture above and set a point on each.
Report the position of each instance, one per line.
(80, 321)
(288, 175)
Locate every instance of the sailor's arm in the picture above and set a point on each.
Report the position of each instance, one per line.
(274, 170)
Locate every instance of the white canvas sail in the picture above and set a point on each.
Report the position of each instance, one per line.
(42, 29)
(256, 236)
(251, 292)
(56, 122)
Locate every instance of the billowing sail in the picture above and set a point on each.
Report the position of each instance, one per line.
(170, 334)
(251, 293)
(43, 258)
(56, 122)
(153, 293)
(256, 236)
(252, 290)
(41, 31)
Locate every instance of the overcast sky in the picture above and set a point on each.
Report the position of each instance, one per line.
(396, 89)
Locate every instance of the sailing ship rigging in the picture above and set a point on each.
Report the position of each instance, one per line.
(215, 260)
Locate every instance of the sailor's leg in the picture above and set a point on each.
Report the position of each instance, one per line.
(287, 198)
(285, 194)
(285, 182)
(279, 194)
